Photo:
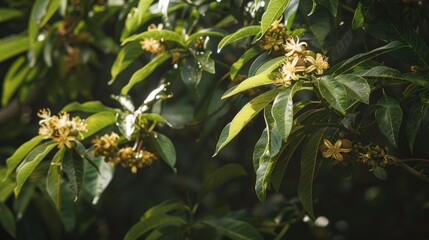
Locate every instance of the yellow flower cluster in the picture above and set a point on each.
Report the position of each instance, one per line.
(127, 157)
(154, 46)
(274, 38)
(300, 61)
(60, 128)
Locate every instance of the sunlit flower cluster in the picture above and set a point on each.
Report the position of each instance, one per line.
(299, 61)
(61, 128)
(106, 146)
(154, 46)
(274, 39)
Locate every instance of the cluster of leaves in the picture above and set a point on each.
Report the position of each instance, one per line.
(359, 98)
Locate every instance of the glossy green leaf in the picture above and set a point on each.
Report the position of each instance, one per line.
(204, 60)
(243, 117)
(38, 11)
(165, 35)
(13, 161)
(136, 16)
(51, 8)
(153, 117)
(274, 11)
(141, 74)
(97, 181)
(262, 78)
(30, 163)
(357, 87)
(13, 45)
(203, 33)
(382, 73)
(283, 112)
(331, 5)
(239, 34)
(245, 58)
(125, 101)
(191, 72)
(165, 148)
(414, 123)
(308, 170)
(7, 219)
(146, 225)
(290, 13)
(9, 13)
(15, 76)
(352, 62)
(126, 55)
(319, 23)
(389, 118)
(6, 185)
(87, 107)
(126, 124)
(73, 168)
(164, 208)
(341, 46)
(333, 92)
(53, 179)
(98, 121)
(219, 177)
(420, 79)
(234, 229)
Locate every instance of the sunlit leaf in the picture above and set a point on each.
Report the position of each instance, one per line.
(9, 13)
(245, 58)
(13, 45)
(126, 55)
(204, 60)
(164, 35)
(15, 76)
(241, 33)
(274, 10)
(357, 87)
(98, 121)
(283, 112)
(333, 92)
(88, 107)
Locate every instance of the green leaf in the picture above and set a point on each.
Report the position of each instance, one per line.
(98, 121)
(290, 13)
(357, 87)
(333, 92)
(150, 223)
(137, 15)
(380, 173)
(274, 10)
(165, 148)
(53, 179)
(219, 177)
(204, 60)
(262, 78)
(382, 73)
(30, 163)
(165, 35)
(7, 219)
(9, 13)
(420, 79)
(153, 117)
(52, 7)
(141, 74)
(126, 124)
(234, 229)
(203, 33)
(245, 58)
(389, 118)
(352, 62)
(125, 101)
(331, 5)
(243, 117)
(283, 112)
(239, 34)
(97, 181)
(341, 46)
(191, 72)
(358, 18)
(73, 168)
(308, 170)
(13, 161)
(13, 45)
(87, 107)
(319, 23)
(6, 185)
(164, 208)
(38, 11)
(126, 55)
(15, 76)
(414, 123)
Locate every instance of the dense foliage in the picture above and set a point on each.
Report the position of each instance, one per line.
(112, 116)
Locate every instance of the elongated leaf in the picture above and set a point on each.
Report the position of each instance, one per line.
(389, 118)
(239, 34)
(245, 58)
(341, 46)
(331, 5)
(283, 112)
(243, 117)
(308, 170)
(73, 168)
(165, 148)
(319, 23)
(219, 177)
(146, 225)
(13, 45)
(31, 161)
(13, 161)
(126, 55)
(382, 72)
(98, 121)
(9, 13)
(204, 60)
(333, 92)
(6, 186)
(262, 78)
(51, 8)
(88, 107)
(350, 63)
(53, 180)
(164, 208)
(357, 87)
(7, 219)
(274, 10)
(234, 229)
(136, 16)
(417, 78)
(97, 181)
(38, 11)
(165, 35)
(14, 78)
(416, 115)
(203, 33)
(260, 148)
(141, 74)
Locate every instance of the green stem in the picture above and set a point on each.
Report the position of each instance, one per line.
(413, 171)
